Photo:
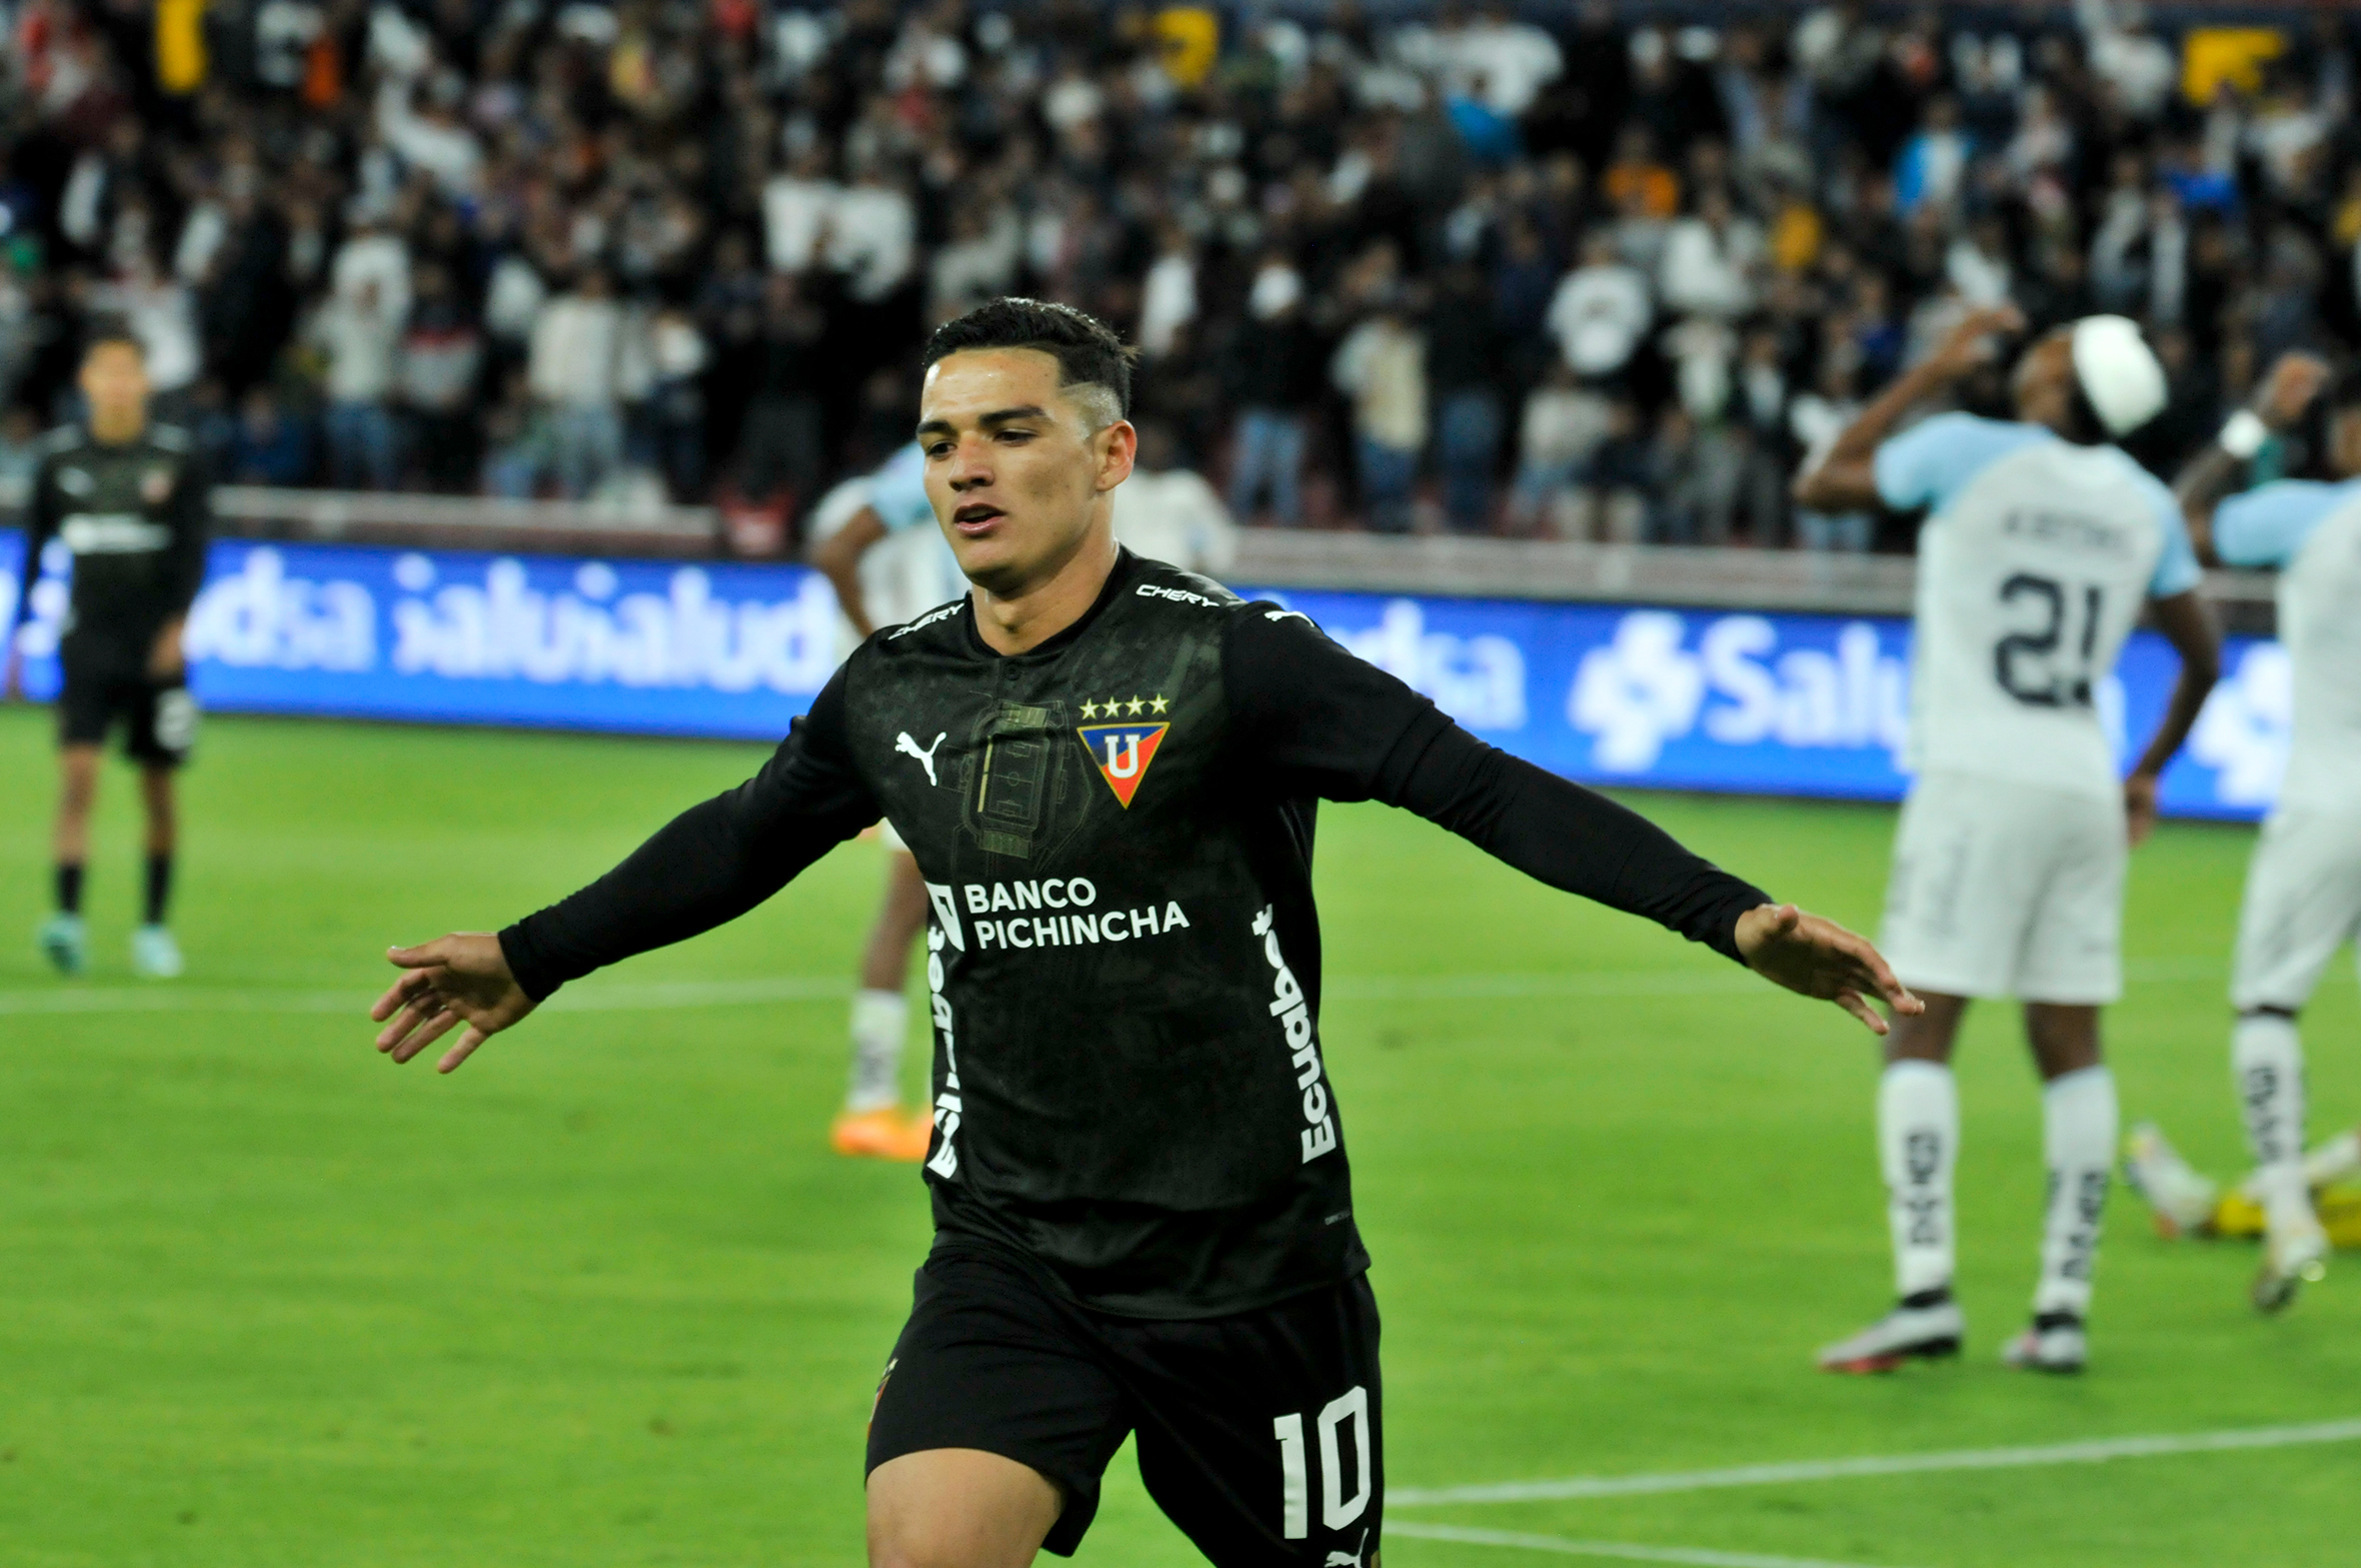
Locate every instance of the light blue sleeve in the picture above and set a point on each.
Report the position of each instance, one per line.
(1932, 461)
(898, 490)
(2269, 523)
(2176, 569)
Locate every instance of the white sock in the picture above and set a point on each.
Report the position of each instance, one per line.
(2333, 1160)
(1918, 1144)
(2078, 1139)
(2267, 1056)
(879, 1019)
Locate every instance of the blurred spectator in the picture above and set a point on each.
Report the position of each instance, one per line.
(442, 361)
(268, 447)
(358, 334)
(1601, 311)
(576, 373)
(1562, 426)
(1168, 511)
(1274, 378)
(1463, 361)
(1381, 367)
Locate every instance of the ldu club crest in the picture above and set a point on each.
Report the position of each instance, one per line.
(1122, 753)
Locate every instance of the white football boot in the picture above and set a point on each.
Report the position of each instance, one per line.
(154, 953)
(2055, 1342)
(2293, 1257)
(2180, 1200)
(65, 942)
(1907, 1333)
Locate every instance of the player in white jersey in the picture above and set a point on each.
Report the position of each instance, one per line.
(2303, 888)
(2041, 546)
(876, 540)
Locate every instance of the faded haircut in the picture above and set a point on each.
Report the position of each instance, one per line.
(1093, 365)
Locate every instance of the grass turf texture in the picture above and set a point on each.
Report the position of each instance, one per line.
(604, 1297)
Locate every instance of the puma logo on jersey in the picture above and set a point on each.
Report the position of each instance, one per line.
(903, 744)
(1288, 615)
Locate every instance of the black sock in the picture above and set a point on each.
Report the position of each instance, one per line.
(159, 887)
(69, 887)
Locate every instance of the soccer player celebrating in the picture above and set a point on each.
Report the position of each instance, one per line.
(126, 498)
(2303, 888)
(2042, 544)
(1143, 1216)
(874, 539)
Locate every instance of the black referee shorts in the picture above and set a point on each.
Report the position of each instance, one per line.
(158, 716)
(1258, 1433)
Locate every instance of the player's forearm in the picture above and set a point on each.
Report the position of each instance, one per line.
(2202, 483)
(1856, 447)
(702, 869)
(2185, 623)
(1573, 839)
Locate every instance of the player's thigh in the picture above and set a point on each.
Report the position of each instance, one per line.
(1964, 882)
(1260, 1435)
(2303, 899)
(162, 724)
(2073, 952)
(89, 696)
(989, 1363)
(958, 1508)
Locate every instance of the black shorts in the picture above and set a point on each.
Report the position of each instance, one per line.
(1258, 1433)
(158, 716)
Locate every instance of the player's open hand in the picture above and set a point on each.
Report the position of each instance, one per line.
(2139, 807)
(2294, 380)
(1970, 344)
(1819, 958)
(455, 979)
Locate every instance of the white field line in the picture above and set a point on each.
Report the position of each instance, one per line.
(2096, 1451)
(1703, 1557)
(667, 995)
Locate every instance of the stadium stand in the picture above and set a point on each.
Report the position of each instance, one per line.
(1544, 272)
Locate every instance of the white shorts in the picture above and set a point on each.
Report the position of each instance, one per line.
(888, 838)
(2002, 888)
(2303, 899)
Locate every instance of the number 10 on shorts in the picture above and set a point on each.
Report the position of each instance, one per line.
(1335, 1510)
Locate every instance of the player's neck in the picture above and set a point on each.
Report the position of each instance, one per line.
(118, 430)
(1019, 621)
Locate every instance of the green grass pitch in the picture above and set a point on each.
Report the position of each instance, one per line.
(604, 1298)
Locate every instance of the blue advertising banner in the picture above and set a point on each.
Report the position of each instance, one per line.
(1680, 698)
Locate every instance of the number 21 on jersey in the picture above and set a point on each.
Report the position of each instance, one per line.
(2027, 663)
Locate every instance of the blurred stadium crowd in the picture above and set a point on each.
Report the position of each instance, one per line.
(1560, 271)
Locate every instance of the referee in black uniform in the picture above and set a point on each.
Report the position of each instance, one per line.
(126, 498)
(1108, 768)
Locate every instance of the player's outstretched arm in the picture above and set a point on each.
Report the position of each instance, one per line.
(1818, 957)
(1846, 479)
(455, 979)
(708, 866)
(2294, 380)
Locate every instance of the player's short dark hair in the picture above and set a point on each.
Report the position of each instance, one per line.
(1088, 352)
(111, 329)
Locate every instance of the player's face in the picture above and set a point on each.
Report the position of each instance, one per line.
(115, 379)
(1019, 470)
(2043, 386)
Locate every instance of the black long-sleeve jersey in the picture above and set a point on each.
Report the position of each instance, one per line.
(1115, 832)
(135, 515)
(135, 518)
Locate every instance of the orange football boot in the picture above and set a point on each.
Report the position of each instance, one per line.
(885, 1134)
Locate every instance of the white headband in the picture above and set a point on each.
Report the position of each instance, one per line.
(2119, 372)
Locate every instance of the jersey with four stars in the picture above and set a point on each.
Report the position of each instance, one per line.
(1116, 833)
(134, 516)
